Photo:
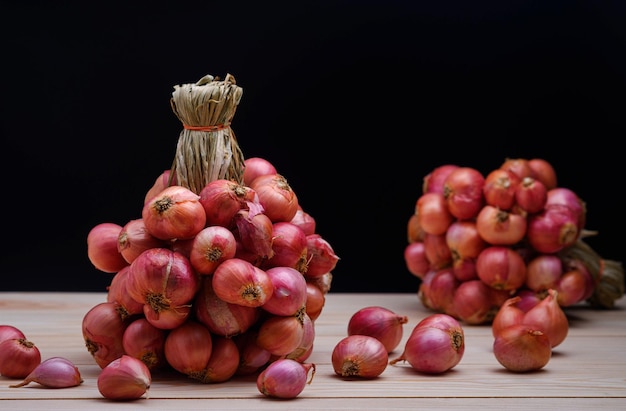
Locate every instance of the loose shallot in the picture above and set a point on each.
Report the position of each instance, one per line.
(359, 356)
(124, 379)
(55, 372)
(284, 378)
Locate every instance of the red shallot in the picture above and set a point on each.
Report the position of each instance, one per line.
(360, 356)
(55, 372)
(380, 323)
(285, 378)
(522, 348)
(124, 379)
(18, 357)
(434, 345)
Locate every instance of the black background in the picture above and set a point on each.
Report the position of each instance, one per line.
(353, 101)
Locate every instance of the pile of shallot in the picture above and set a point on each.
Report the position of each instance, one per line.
(213, 284)
(477, 240)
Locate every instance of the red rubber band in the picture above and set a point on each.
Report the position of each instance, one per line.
(205, 128)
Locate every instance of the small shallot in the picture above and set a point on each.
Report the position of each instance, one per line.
(124, 379)
(175, 213)
(18, 357)
(436, 345)
(55, 372)
(522, 348)
(359, 356)
(284, 378)
(380, 323)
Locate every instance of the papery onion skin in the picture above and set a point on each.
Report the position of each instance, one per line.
(284, 378)
(359, 356)
(521, 348)
(380, 323)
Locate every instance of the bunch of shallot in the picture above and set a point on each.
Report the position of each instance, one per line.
(475, 240)
(213, 284)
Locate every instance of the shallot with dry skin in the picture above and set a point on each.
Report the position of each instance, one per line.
(124, 379)
(359, 356)
(55, 372)
(380, 323)
(436, 345)
(285, 378)
(18, 357)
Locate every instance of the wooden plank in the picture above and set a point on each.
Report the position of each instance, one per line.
(587, 370)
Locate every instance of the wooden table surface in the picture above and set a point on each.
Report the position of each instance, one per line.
(586, 371)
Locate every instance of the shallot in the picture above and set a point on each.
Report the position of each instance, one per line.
(436, 345)
(284, 378)
(124, 379)
(55, 372)
(380, 323)
(360, 356)
(18, 357)
(522, 348)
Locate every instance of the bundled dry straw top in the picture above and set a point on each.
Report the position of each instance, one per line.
(207, 148)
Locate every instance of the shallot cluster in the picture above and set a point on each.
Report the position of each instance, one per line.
(212, 284)
(475, 240)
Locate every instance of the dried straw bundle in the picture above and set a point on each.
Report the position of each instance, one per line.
(608, 274)
(207, 148)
